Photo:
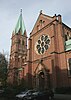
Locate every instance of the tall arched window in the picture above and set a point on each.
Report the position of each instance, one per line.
(19, 41)
(65, 37)
(22, 42)
(69, 67)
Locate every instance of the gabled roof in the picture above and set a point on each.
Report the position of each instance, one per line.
(47, 16)
(47, 19)
(20, 25)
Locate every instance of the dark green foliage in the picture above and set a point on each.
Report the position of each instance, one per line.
(3, 69)
(10, 91)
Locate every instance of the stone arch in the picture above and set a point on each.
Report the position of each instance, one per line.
(41, 77)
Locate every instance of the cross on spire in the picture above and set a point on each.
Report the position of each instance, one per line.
(21, 11)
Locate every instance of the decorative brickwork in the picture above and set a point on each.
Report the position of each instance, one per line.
(44, 63)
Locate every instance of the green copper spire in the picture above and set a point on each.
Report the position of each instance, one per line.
(20, 25)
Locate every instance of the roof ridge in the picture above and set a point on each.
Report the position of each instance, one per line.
(47, 15)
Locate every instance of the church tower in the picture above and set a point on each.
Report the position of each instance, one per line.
(18, 52)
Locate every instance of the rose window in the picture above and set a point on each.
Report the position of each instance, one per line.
(42, 44)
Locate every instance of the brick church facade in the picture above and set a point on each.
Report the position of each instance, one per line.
(46, 61)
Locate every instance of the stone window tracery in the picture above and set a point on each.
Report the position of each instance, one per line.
(42, 44)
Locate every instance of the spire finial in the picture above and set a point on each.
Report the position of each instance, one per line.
(40, 11)
(21, 11)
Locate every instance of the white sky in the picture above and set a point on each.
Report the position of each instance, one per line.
(10, 11)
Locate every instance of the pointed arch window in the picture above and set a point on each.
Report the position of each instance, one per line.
(41, 22)
(23, 60)
(67, 36)
(19, 41)
(22, 42)
(69, 66)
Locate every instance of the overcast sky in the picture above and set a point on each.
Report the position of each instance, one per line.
(10, 11)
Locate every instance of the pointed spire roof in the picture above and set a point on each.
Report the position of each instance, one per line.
(20, 25)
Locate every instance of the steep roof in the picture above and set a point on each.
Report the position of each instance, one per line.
(42, 17)
(20, 25)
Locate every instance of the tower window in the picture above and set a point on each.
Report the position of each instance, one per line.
(19, 41)
(23, 42)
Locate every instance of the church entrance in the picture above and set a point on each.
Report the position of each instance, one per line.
(41, 77)
(41, 81)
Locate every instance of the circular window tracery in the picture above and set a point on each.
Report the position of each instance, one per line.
(42, 44)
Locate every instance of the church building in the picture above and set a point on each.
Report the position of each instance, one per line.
(44, 59)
